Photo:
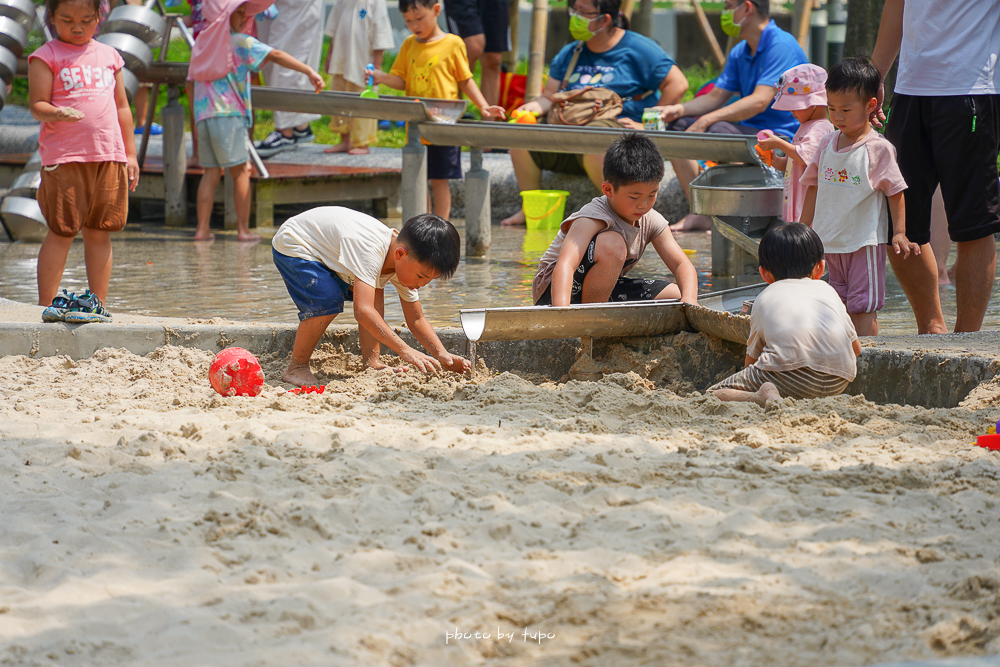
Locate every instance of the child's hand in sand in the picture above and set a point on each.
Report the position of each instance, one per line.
(454, 363)
(904, 246)
(422, 362)
(69, 114)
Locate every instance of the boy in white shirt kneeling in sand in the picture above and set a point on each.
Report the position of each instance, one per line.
(802, 342)
(330, 254)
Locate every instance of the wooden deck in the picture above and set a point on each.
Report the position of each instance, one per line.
(289, 184)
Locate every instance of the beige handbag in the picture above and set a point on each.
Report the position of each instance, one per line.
(584, 105)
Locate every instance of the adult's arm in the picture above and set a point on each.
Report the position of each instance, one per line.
(710, 101)
(890, 39)
(542, 104)
(673, 86)
(740, 110)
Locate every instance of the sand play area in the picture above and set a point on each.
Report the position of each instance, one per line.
(147, 520)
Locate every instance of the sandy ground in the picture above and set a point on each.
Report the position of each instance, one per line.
(146, 520)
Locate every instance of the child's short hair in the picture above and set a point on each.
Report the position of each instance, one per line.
(407, 5)
(790, 250)
(432, 241)
(632, 158)
(52, 5)
(854, 75)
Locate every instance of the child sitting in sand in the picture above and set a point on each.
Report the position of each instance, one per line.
(330, 254)
(802, 343)
(850, 179)
(221, 62)
(87, 148)
(801, 91)
(586, 265)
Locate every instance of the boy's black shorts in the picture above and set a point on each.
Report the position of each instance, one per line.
(444, 162)
(626, 289)
(954, 141)
(489, 18)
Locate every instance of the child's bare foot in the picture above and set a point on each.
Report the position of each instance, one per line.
(248, 238)
(377, 365)
(299, 375)
(692, 223)
(767, 392)
(516, 219)
(342, 147)
(204, 237)
(360, 150)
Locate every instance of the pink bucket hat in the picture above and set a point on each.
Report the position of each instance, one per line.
(801, 87)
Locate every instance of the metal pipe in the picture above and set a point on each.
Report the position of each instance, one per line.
(336, 103)
(836, 31)
(154, 95)
(567, 139)
(817, 37)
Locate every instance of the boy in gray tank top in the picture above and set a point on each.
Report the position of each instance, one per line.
(600, 243)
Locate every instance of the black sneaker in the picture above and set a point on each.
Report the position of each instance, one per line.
(88, 308)
(305, 136)
(274, 144)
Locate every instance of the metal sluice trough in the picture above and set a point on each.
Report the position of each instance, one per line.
(717, 314)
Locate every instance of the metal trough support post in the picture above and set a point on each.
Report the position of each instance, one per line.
(413, 186)
(478, 235)
(728, 258)
(174, 160)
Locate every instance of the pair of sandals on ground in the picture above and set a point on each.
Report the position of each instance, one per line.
(83, 309)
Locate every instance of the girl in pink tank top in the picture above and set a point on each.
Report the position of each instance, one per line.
(88, 156)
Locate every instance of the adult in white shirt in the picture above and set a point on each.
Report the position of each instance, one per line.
(945, 126)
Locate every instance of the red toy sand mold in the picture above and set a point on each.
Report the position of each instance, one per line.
(308, 390)
(236, 372)
(991, 440)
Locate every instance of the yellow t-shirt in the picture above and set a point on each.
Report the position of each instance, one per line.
(432, 70)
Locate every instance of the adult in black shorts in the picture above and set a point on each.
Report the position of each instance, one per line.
(484, 26)
(945, 124)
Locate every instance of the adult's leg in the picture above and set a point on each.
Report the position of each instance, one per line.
(865, 324)
(306, 338)
(474, 45)
(609, 257)
(491, 63)
(594, 166)
(917, 275)
(205, 201)
(241, 201)
(940, 241)
(686, 171)
(529, 177)
(975, 268)
(50, 266)
(298, 31)
(97, 258)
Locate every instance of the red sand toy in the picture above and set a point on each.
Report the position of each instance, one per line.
(308, 390)
(236, 372)
(991, 440)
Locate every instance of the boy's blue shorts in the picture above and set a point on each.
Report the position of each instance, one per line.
(314, 287)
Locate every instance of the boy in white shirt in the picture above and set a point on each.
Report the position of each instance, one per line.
(802, 344)
(330, 254)
(361, 33)
(851, 178)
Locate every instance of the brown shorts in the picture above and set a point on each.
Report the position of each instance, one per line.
(75, 195)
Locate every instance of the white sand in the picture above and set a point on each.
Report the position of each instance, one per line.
(145, 520)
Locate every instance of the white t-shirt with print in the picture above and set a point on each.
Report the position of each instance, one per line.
(350, 243)
(949, 47)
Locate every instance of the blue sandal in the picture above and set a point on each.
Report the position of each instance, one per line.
(57, 311)
(88, 309)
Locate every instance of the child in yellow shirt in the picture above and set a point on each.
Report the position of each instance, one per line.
(433, 64)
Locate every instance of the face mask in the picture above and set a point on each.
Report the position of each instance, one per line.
(579, 27)
(729, 26)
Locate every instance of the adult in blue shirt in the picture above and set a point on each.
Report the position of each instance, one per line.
(611, 57)
(754, 67)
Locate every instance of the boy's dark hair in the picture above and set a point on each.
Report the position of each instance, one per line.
(432, 241)
(854, 75)
(791, 250)
(52, 5)
(632, 158)
(407, 5)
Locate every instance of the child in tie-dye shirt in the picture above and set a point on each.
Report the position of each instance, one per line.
(223, 114)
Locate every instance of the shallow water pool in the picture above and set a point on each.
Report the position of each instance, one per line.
(159, 272)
